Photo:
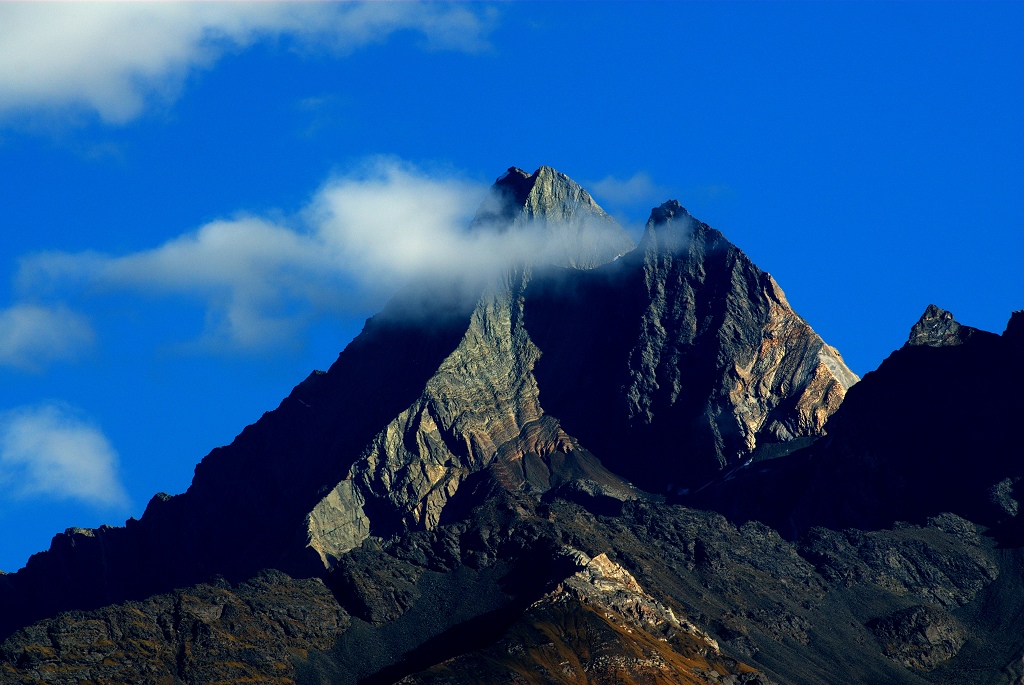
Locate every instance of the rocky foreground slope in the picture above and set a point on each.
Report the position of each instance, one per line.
(517, 487)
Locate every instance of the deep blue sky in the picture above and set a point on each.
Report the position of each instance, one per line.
(869, 155)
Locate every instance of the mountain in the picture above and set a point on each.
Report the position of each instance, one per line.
(605, 464)
(930, 431)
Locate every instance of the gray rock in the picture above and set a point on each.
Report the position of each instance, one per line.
(920, 637)
(938, 328)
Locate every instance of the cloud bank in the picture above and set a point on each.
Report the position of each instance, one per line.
(49, 450)
(362, 236)
(113, 58)
(32, 336)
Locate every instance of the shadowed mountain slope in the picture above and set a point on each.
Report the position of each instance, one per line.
(930, 431)
(679, 359)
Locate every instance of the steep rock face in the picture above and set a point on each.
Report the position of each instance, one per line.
(678, 360)
(483, 399)
(709, 294)
(480, 398)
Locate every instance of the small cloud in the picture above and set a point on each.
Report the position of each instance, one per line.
(637, 189)
(32, 336)
(114, 59)
(262, 282)
(49, 450)
(322, 113)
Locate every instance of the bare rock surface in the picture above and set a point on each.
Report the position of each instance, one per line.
(211, 633)
(920, 637)
(938, 328)
(683, 331)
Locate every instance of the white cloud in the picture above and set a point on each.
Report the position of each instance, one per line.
(31, 336)
(634, 190)
(392, 222)
(260, 281)
(49, 450)
(112, 58)
(362, 236)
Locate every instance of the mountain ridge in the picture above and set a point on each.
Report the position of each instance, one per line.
(524, 484)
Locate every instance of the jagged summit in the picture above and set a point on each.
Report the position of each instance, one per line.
(580, 233)
(545, 194)
(670, 228)
(667, 211)
(938, 328)
(684, 330)
(1014, 332)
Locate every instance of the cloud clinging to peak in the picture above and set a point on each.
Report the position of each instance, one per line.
(362, 236)
(113, 58)
(49, 450)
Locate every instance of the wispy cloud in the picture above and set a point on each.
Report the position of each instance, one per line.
(362, 236)
(50, 450)
(32, 336)
(114, 58)
(637, 189)
(262, 281)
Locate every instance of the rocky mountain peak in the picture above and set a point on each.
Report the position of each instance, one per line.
(938, 328)
(667, 212)
(545, 194)
(580, 234)
(669, 228)
(1015, 327)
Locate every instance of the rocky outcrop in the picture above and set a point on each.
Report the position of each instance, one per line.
(604, 584)
(211, 633)
(920, 637)
(938, 328)
(944, 563)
